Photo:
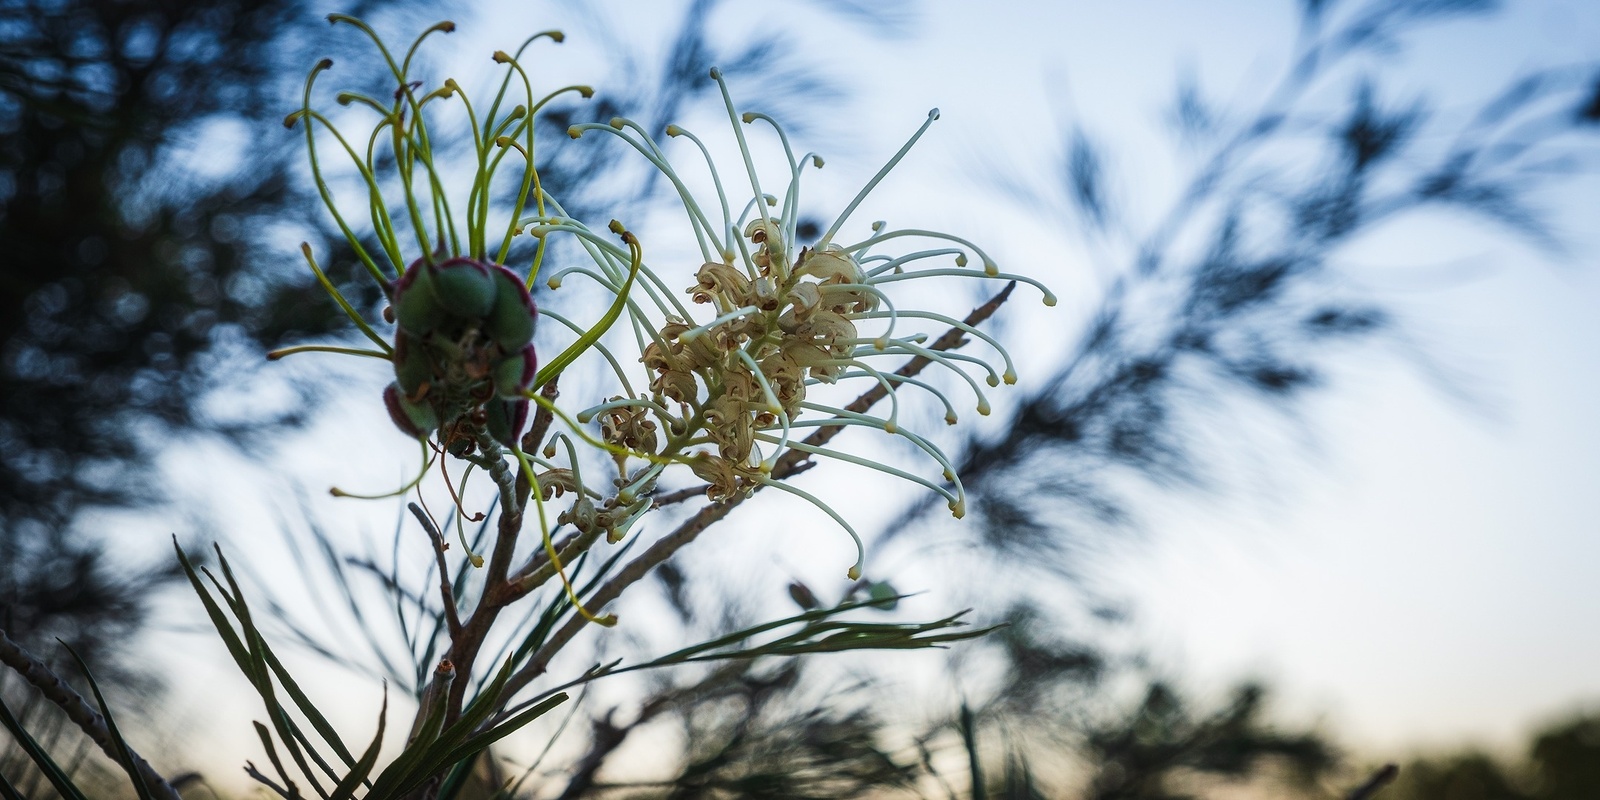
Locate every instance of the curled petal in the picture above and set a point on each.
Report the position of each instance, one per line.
(830, 265)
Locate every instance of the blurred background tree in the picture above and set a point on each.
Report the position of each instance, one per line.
(136, 276)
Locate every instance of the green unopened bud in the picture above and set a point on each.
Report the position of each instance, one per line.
(505, 420)
(463, 287)
(414, 305)
(414, 419)
(412, 367)
(512, 319)
(513, 375)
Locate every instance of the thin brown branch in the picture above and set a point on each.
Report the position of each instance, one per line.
(1383, 777)
(79, 711)
(497, 593)
(789, 464)
(540, 569)
(680, 495)
(446, 593)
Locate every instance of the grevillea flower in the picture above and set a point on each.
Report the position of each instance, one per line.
(730, 391)
(728, 374)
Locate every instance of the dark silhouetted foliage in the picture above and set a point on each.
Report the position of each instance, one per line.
(135, 273)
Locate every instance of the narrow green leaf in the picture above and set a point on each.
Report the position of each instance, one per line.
(218, 619)
(969, 737)
(420, 761)
(247, 663)
(347, 787)
(481, 742)
(441, 757)
(51, 770)
(453, 782)
(260, 654)
(301, 701)
(124, 753)
(272, 756)
(7, 791)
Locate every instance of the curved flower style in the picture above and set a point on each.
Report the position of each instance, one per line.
(726, 387)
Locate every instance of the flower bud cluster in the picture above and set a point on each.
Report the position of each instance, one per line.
(463, 351)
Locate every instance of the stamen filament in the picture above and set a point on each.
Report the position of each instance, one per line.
(861, 552)
(349, 310)
(1010, 375)
(1049, 297)
(862, 195)
(427, 463)
(716, 180)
